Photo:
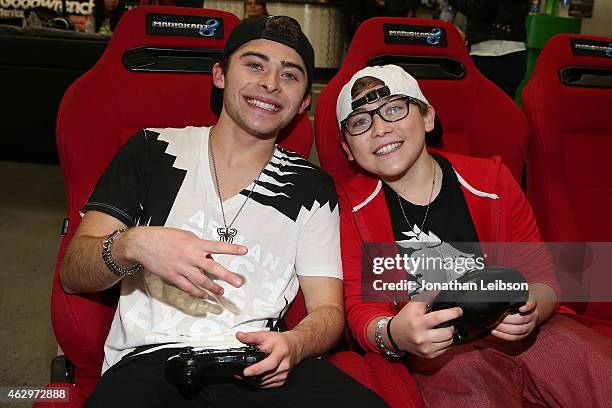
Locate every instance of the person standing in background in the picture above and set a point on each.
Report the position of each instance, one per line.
(105, 17)
(358, 11)
(255, 8)
(391, 8)
(444, 11)
(496, 35)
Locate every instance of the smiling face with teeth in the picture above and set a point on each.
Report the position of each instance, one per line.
(264, 88)
(391, 150)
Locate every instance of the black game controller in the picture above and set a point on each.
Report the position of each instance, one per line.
(191, 369)
(482, 309)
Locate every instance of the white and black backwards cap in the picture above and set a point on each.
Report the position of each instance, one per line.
(397, 82)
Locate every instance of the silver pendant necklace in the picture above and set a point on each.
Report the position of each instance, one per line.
(227, 233)
(433, 186)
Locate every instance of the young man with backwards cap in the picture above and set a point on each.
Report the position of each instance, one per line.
(409, 194)
(211, 232)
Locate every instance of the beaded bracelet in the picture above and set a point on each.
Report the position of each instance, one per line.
(379, 339)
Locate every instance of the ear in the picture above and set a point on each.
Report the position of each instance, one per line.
(429, 118)
(305, 103)
(218, 76)
(347, 149)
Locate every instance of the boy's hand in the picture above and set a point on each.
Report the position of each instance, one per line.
(413, 329)
(182, 259)
(283, 356)
(517, 326)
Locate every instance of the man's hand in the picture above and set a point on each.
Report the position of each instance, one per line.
(517, 326)
(314, 335)
(181, 258)
(283, 356)
(413, 329)
(178, 257)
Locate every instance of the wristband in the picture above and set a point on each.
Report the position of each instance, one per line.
(379, 339)
(390, 337)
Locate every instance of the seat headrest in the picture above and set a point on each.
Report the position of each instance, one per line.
(579, 60)
(395, 35)
(172, 27)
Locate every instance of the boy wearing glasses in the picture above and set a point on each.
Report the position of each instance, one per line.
(408, 195)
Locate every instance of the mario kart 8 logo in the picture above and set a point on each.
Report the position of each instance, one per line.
(208, 30)
(434, 37)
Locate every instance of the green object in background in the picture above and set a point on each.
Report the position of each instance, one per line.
(551, 7)
(540, 28)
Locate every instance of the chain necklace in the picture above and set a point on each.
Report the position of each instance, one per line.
(227, 233)
(433, 186)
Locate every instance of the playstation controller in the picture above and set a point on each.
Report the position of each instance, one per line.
(191, 369)
(482, 308)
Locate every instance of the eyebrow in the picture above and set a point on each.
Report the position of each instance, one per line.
(264, 57)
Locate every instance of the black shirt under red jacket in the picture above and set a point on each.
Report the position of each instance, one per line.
(499, 210)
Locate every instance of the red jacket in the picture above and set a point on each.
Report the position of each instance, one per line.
(498, 208)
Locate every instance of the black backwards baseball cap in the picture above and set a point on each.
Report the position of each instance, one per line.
(282, 29)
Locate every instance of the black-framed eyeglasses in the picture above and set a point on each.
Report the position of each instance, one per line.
(396, 108)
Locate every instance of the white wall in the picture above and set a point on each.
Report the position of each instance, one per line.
(322, 24)
(601, 22)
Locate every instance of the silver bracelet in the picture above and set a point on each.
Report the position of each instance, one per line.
(379, 338)
(110, 262)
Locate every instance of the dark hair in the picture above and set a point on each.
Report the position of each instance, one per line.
(259, 3)
(99, 15)
(364, 83)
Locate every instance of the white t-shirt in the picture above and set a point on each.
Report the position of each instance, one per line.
(496, 48)
(290, 224)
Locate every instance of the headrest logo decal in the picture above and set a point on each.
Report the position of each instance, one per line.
(184, 25)
(415, 35)
(208, 30)
(434, 36)
(591, 48)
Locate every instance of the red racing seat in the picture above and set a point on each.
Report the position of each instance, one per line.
(567, 102)
(477, 117)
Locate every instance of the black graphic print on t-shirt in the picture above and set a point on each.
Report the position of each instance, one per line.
(448, 234)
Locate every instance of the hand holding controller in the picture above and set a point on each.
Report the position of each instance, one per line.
(482, 309)
(191, 369)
